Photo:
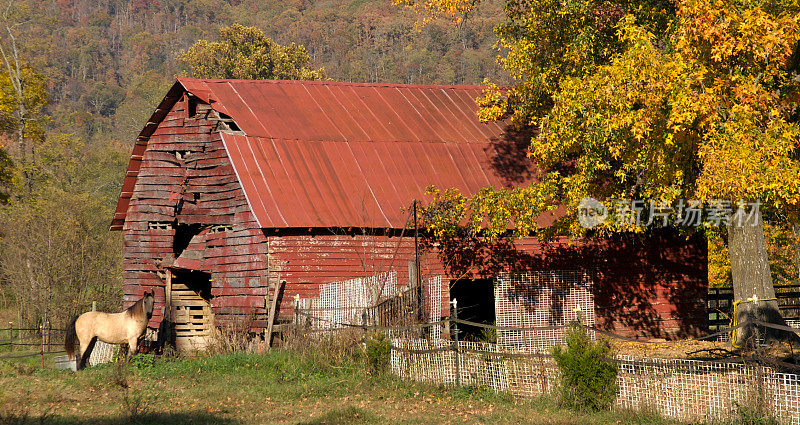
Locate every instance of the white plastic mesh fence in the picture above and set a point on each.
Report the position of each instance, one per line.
(433, 299)
(346, 301)
(540, 299)
(687, 390)
(102, 353)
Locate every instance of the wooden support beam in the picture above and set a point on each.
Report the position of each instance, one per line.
(272, 308)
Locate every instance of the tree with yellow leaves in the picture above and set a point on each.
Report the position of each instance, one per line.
(657, 101)
(246, 53)
(23, 95)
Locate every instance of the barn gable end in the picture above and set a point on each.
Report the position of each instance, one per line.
(185, 187)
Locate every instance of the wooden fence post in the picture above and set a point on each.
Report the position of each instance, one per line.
(455, 342)
(296, 313)
(41, 339)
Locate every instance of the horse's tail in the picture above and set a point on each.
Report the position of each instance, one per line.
(71, 339)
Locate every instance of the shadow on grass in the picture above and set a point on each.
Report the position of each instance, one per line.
(345, 415)
(196, 418)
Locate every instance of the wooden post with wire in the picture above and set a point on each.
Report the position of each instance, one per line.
(41, 347)
(455, 342)
(418, 292)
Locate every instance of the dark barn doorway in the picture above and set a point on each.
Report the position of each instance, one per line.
(475, 304)
(190, 308)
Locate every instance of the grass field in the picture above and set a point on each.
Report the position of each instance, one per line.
(279, 387)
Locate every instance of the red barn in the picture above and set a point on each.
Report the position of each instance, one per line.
(234, 186)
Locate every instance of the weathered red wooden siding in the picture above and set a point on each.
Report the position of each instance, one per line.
(645, 286)
(305, 262)
(201, 187)
(653, 286)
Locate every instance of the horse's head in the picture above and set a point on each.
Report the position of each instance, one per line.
(148, 299)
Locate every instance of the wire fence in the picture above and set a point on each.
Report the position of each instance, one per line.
(686, 390)
(23, 343)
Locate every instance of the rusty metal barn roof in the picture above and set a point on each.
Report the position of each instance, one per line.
(332, 154)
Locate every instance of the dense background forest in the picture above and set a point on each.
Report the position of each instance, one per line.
(95, 71)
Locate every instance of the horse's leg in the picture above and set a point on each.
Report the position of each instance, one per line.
(83, 353)
(132, 346)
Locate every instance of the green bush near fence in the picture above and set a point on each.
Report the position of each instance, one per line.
(378, 349)
(588, 378)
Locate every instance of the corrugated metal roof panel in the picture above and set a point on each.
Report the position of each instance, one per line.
(352, 184)
(330, 154)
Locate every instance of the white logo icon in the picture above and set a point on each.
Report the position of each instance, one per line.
(591, 212)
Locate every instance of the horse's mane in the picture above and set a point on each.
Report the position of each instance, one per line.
(137, 307)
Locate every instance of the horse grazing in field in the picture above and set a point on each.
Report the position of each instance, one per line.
(112, 328)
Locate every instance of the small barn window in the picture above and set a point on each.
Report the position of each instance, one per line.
(191, 107)
(221, 228)
(183, 235)
(159, 225)
(228, 121)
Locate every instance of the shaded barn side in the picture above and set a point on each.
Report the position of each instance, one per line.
(652, 286)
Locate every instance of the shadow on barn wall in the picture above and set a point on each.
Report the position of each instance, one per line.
(652, 285)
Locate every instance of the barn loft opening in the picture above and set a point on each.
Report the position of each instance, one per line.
(191, 107)
(184, 232)
(475, 304)
(228, 121)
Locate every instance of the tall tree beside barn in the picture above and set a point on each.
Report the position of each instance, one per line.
(661, 101)
(23, 95)
(246, 53)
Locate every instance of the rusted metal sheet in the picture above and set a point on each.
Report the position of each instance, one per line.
(291, 183)
(322, 153)
(334, 111)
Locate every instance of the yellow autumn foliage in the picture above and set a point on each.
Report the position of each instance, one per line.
(695, 99)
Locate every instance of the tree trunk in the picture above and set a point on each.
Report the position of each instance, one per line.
(796, 231)
(752, 281)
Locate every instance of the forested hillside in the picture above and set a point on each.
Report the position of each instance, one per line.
(92, 71)
(108, 62)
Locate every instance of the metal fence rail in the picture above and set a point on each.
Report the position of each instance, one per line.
(720, 304)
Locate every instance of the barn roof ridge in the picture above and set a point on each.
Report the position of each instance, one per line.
(337, 83)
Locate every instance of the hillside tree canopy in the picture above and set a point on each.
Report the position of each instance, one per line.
(246, 53)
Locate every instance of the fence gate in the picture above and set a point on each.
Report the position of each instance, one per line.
(190, 309)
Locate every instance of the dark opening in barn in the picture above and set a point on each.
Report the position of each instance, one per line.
(475, 304)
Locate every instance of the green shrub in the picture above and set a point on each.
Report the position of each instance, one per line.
(588, 376)
(488, 335)
(378, 350)
(744, 414)
(120, 371)
(143, 361)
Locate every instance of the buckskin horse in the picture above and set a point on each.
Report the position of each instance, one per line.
(111, 328)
